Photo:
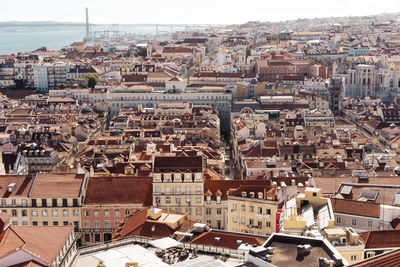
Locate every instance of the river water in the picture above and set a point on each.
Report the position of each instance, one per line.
(27, 38)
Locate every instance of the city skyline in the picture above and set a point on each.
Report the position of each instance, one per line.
(209, 12)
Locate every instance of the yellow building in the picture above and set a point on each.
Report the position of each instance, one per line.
(55, 199)
(347, 242)
(252, 209)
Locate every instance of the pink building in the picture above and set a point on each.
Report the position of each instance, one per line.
(108, 201)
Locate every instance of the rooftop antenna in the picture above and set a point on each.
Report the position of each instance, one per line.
(87, 23)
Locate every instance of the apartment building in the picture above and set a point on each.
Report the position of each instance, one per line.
(14, 191)
(56, 199)
(254, 210)
(50, 75)
(108, 201)
(178, 184)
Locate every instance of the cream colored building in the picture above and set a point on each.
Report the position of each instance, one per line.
(347, 242)
(299, 213)
(56, 199)
(178, 184)
(253, 210)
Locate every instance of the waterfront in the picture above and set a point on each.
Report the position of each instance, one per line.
(27, 38)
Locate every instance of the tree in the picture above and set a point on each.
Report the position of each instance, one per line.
(248, 52)
(92, 79)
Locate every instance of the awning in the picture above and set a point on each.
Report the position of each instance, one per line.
(165, 243)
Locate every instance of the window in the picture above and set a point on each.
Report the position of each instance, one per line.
(116, 223)
(353, 222)
(25, 223)
(55, 213)
(55, 223)
(198, 211)
(243, 208)
(188, 200)
(234, 207)
(96, 213)
(34, 203)
(208, 199)
(34, 223)
(314, 194)
(158, 189)
(54, 202)
(75, 202)
(96, 225)
(106, 213)
(219, 211)
(127, 212)
(117, 213)
(44, 202)
(259, 210)
(268, 211)
(338, 219)
(251, 208)
(75, 212)
(45, 223)
(243, 220)
(198, 199)
(177, 200)
(13, 202)
(44, 213)
(208, 211)
(208, 222)
(107, 225)
(86, 225)
(369, 224)
(259, 224)
(268, 224)
(353, 257)
(218, 199)
(168, 190)
(188, 211)
(187, 189)
(86, 213)
(234, 219)
(87, 238)
(65, 212)
(24, 213)
(65, 202)
(4, 202)
(34, 213)
(251, 221)
(158, 200)
(14, 213)
(65, 223)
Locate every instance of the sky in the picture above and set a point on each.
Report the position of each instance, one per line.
(188, 11)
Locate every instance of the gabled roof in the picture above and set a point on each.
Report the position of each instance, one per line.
(381, 239)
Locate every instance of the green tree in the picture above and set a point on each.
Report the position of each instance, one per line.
(248, 52)
(92, 79)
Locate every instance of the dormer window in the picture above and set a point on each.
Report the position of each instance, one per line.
(208, 199)
(218, 199)
(157, 177)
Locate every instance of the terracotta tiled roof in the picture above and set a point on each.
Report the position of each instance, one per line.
(57, 185)
(391, 258)
(227, 240)
(44, 241)
(360, 208)
(128, 189)
(381, 239)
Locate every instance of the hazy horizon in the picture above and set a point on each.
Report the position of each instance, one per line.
(182, 12)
